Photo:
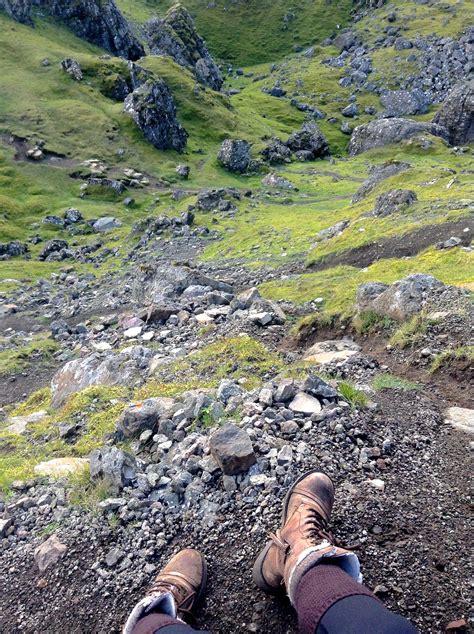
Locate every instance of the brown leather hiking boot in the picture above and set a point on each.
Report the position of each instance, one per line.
(185, 576)
(304, 538)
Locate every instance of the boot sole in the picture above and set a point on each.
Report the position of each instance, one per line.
(257, 573)
(202, 589)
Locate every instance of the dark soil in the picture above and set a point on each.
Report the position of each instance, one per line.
(400, 246)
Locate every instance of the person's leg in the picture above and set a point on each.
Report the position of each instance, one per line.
(303, 559)
(174, 593)
(329, 601)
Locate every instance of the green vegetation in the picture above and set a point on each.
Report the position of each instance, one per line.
(412, 331)
(443, 360)
(355, 397)
(85, 493)
(39, 350)
(391, 382)
(252, 31)
(99, 407)
(228, 358)
(368, 322)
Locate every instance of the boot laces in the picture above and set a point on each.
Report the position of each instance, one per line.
(180, 596)
(317, 529)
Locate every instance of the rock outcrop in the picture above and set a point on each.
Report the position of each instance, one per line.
(97, 21)
(308, 143)
(457, 114)
(234, 155)
(175, 35)
(153, 109)
(383, 132)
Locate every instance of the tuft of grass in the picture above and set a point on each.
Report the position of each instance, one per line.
(49, 529)
(369, 322)
(355, 397)
(85, 493)
(389, 381)
(412, 331)
(444, 359)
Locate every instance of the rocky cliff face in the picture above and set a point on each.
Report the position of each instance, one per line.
(98, 22)
(176, 36)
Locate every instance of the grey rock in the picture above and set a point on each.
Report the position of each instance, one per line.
(183, 171)
(113, 557)
(108, 223)
(394, 201)
(234, 155)
(317, 387)
(400, 103)
(52, 247)
(383, 132)
(228, 389)
(450, 243)
(309, 139)
(153, 109)
(97, 21)
(175, 35)
(5, 525)
(73, 216)
(273, 180)
(350, 111)
(334, 230)
(139, 417)
(400, 300)
(232, 449)
(72, 67)
(276, 152)
(457, 114)
(285, 391)
(113, 466)
(377, 174)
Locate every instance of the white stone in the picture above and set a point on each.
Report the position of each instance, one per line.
(133, 333)
(377, 484)
(461, 418)
(335, 350)
(148, 336)
(61, 466)
(305, 404)
(204, 319)
(18, 424)
(101, 346)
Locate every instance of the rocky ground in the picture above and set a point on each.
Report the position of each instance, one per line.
(220, 279)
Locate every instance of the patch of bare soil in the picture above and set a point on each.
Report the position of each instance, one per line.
(400, 246)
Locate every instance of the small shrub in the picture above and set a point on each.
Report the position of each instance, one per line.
(85, 493)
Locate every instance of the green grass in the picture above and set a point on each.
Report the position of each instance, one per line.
(391, 382)
(38, 351)
(444, 359)
(338, 285)
(85, 493)
(252, 31)
(368, 322)
(412, 331)
(355, 397)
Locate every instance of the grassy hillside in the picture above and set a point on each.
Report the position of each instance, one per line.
(247, 32)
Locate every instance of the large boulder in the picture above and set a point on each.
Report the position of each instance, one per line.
(97, 21)
(400, 300)
(175, 35)
(153, 109)
(140, 417)
(381, 132)
(399, 103)
(457, 114)
(116, 468)
(234, 155)
(232, 449)
(309, 142)
(113, 369)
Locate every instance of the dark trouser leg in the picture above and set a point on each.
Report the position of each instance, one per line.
(162, 624)
(329, 601)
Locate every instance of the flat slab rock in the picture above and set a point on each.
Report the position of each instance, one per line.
(49, 553)
(335, 350)
(19, 424)
(61, 466)
(461, 418)
(305, 404)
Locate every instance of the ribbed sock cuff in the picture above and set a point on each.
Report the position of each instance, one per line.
(320, 588)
